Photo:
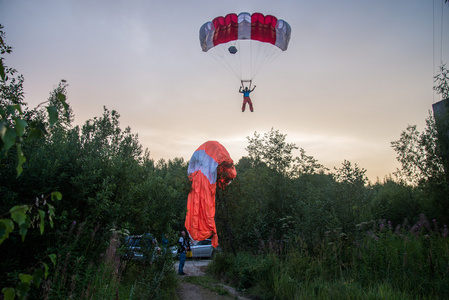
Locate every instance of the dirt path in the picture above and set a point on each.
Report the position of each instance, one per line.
(189, 291)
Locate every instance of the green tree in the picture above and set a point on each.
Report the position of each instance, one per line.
(351, 195)
(421, 158)
(272, 150)
(353, 175)
(307, 165)
(269, 187)
(19, 127)
(418, 154)
(396, 202)
(442, 82)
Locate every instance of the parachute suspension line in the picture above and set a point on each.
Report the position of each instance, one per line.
(251, 60)
(435, 44)
(441, 40)
(224, 59)
(257, 58)
(433, 48)
(232, 61)
(240, 59)
(264, 56)
(433, 40)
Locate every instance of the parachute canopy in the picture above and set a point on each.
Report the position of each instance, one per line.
(210, 164)
(257, 27)
(246, 42)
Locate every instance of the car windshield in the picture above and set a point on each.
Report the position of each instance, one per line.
(133, 242)
(205, 242)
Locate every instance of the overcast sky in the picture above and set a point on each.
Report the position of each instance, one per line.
(356, 72)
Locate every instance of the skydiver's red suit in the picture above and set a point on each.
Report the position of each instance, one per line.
(246, 98)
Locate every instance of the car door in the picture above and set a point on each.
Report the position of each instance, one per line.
(203, 249)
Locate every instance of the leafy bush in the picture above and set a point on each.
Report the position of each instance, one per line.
(380, 260)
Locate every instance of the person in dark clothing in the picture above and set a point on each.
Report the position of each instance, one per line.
(183, 247)
(246, 99)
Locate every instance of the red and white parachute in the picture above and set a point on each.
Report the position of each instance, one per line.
(245, 42)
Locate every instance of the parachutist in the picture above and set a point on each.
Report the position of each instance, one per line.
(246, 99)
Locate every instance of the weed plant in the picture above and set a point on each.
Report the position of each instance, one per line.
(379, 261)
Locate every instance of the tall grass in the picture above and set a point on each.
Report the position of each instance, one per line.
(378, 262)
(90, 266)
(157, 280)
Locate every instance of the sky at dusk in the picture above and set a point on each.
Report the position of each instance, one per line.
(355, 75)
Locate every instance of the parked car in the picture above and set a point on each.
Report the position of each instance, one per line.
(201, 249)
(140, 247)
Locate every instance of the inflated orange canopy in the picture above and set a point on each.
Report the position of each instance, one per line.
(209, 164)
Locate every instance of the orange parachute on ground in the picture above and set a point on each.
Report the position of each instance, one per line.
(210, 164)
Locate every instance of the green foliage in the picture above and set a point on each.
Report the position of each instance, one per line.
(442, 82)
(381, 261)
(155, 281)
(18, 125)
(96, 169)
(418, 154)
(27, 281)
(422, 160)
(20, 214)
(395, 202)
(307, 165)
(355, 176)
(3, 49)
(104, 177)
(273, 151)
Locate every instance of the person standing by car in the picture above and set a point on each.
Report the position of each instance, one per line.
(183, 247)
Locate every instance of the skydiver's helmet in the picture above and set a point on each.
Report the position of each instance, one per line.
(232, 50)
